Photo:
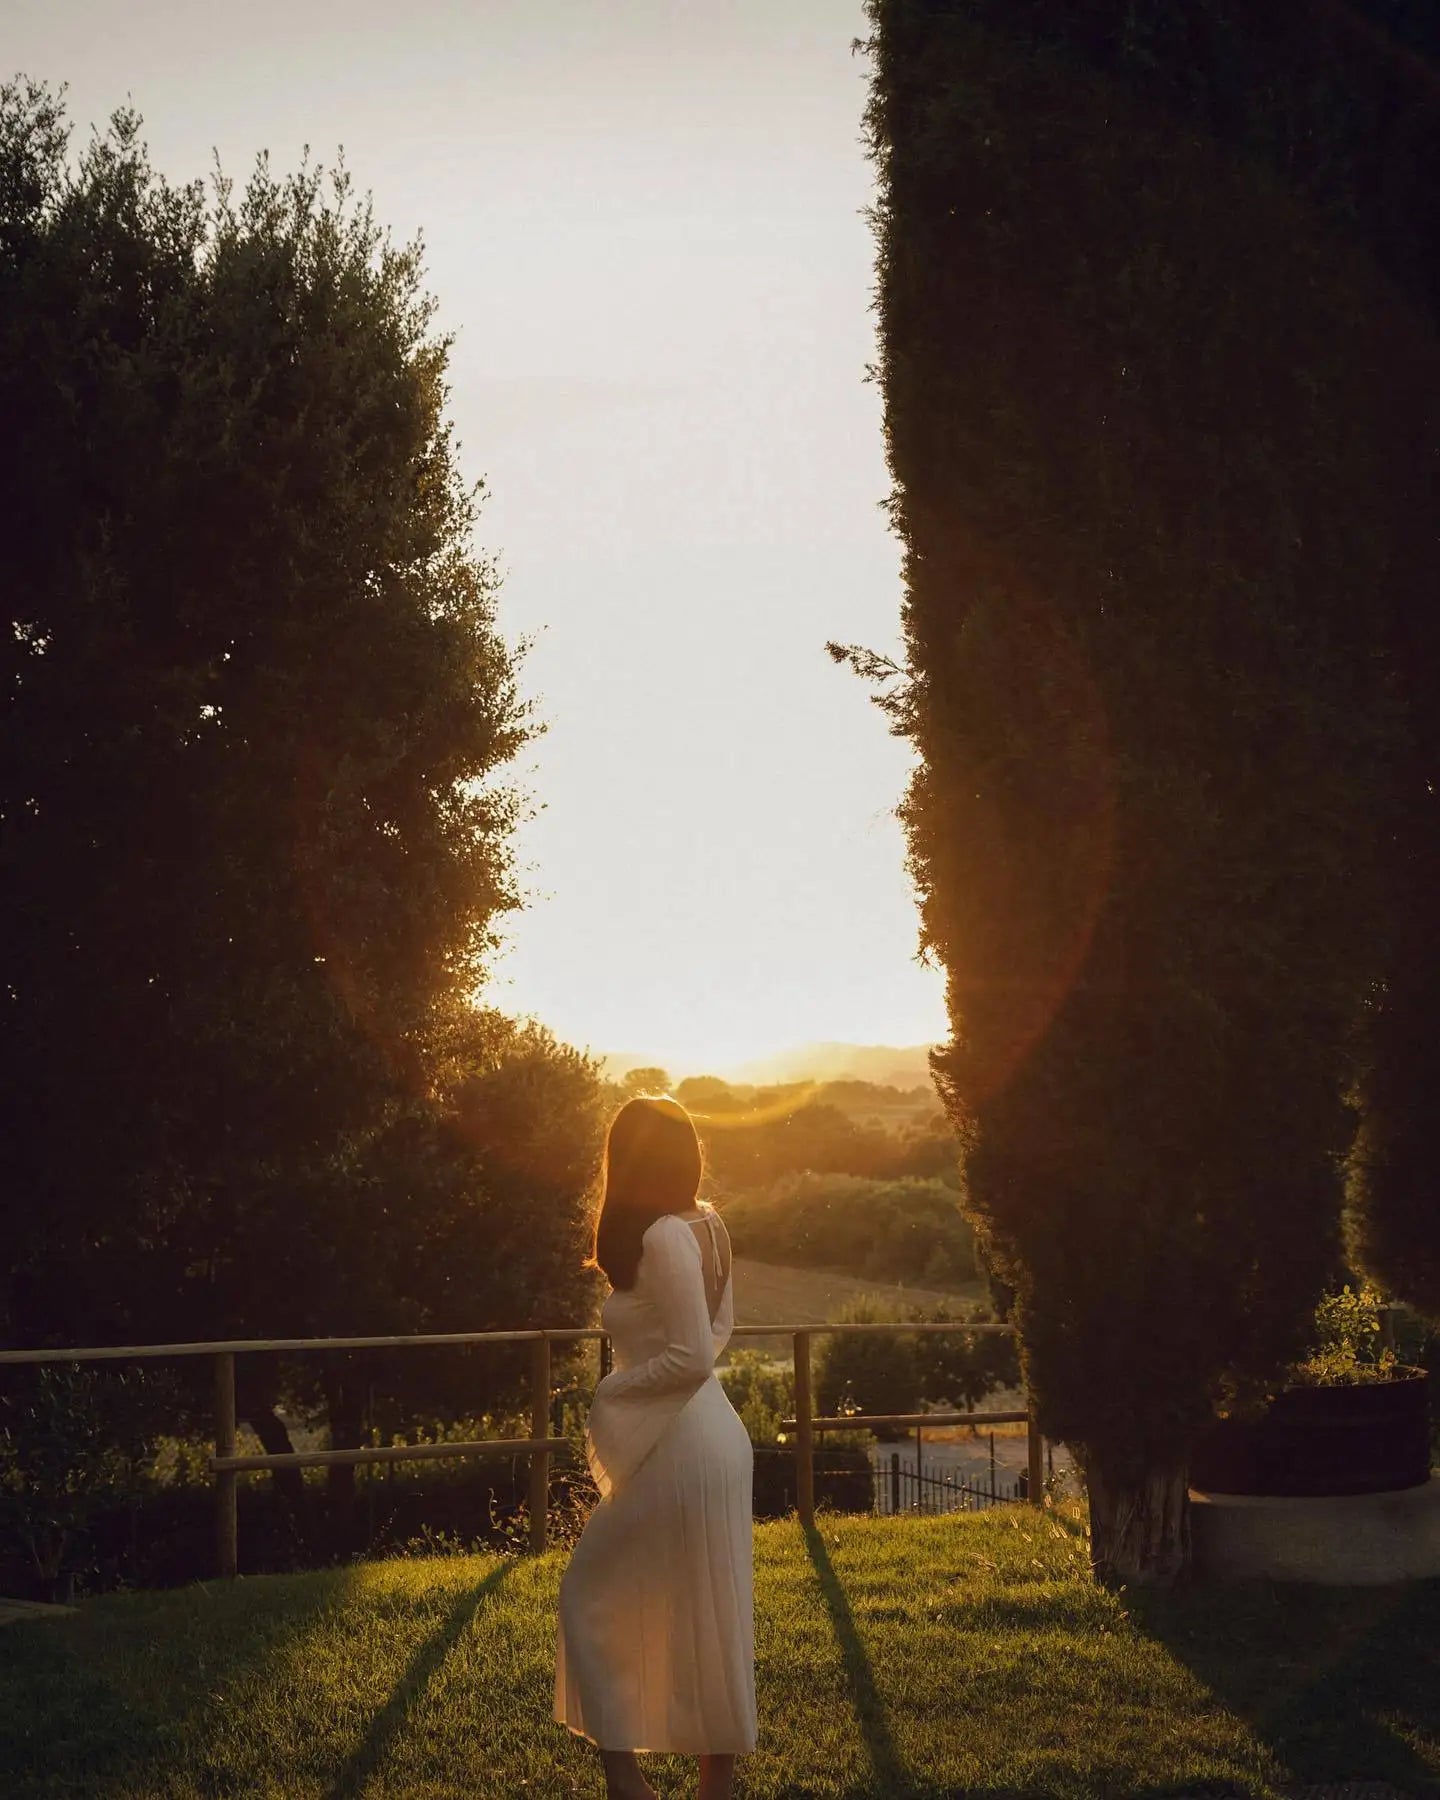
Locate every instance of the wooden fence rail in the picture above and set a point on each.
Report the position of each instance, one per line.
(227, 1465)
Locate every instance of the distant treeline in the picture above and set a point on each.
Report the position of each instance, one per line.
(754, 1136)
(849, 1175)
(904, 1230)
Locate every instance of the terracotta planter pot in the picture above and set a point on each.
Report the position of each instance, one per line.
(1366, 1438)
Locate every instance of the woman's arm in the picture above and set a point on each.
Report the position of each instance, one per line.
(675, 1281)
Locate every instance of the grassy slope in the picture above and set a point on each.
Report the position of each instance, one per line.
(770, 1293)
(938, 1656)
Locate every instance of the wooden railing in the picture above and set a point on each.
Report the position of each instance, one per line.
(805, 1424)
(227, 1465)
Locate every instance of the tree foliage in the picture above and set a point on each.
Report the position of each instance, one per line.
(866, 1372)
(1158, 429)
(1393, 1170)
(755, 1135)
(72, 1439)
(961, 1368)
(761, 1391)
(255, 838)
(899, 1372)
(905, 1230)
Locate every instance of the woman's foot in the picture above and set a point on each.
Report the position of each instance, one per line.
(623, 1780)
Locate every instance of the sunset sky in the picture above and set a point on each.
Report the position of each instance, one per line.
(643, 224)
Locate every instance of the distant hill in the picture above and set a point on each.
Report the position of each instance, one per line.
(615, 1065)
(886, 1065)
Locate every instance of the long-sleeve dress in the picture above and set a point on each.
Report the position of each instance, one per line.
(656, 1629)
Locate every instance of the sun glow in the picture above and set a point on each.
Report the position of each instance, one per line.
(760, 1113)
(667, 955)
(651, 248)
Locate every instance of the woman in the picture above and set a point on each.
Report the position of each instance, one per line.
(656, 1641)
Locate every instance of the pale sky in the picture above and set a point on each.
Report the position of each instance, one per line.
(643, 223)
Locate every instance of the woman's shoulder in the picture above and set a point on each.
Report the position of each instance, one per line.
(673, 1226)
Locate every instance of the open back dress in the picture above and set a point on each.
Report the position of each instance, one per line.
(656, 1630)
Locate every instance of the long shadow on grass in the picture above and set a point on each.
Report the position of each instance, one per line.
(62, 1729)
(389, 1722)
(109, 1699)
(1339, 1682)
(890, 1773)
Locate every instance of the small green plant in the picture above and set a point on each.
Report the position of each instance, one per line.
(569, 1510)
(430, 1541)
(1348, 1346)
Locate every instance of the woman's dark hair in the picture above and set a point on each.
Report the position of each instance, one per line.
(652, 1166)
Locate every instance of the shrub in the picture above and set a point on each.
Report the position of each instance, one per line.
(73, 1440)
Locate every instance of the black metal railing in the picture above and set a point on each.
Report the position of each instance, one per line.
(901, 1487)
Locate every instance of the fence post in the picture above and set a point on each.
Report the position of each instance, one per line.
(804, 1435)
(539, 1428)
(894, 1482)
(227, 1530)
(1035, 1455)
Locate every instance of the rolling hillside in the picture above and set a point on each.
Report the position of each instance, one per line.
(769, 1294)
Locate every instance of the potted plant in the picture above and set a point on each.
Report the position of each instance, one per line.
(1351, 1419)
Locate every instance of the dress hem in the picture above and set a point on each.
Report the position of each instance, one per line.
(650, 1749)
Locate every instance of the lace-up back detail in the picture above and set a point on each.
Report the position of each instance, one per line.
(715, 1256)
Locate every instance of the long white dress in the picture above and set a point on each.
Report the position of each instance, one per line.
(656, 1629)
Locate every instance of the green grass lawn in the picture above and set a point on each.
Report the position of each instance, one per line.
(963, 1655)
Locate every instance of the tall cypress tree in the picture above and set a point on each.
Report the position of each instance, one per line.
(1145, 406)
